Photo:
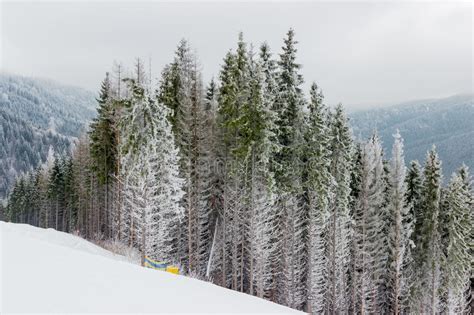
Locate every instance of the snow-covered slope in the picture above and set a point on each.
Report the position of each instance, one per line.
(45, 271)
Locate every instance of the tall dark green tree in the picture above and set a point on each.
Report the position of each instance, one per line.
(104, 148)
(56, 193)
(317, 183)
(289, 105)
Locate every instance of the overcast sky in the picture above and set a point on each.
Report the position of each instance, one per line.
(360, 53)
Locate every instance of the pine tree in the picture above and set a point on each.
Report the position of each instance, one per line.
(203, 176)
(226, 116)
(413, 196)
(43, 175)
(457, 264)
(56, 193)
(181, 91)
(82, 176)
(400, 230)
(378, 204)
(212, 190)
(270, 217)
(368, 251)
(103, 140)
(429, 250)
(69, 195)
(339, 230)
(318, 185)
(413, 199)
(103, 146)
(366, 221)
(259, 135)
(355, 184)
(152, 183)
(289, 105)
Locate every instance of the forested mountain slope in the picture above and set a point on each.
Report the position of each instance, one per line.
(445, 122)
(34, 115)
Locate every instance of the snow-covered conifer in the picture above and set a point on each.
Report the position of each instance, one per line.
(429, 247)
(290, 123)
(457, 263)
(339, 229)
(152, 186)
(400, 230)
(318, 185)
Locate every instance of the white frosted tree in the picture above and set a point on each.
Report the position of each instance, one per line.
(181, 91)
(399, 229)
(377, 203)
(152, 186)
(43, 182)
(366, 226)
(339, 229)
(260, 182)
(270, 218)
(318, 184)
(457, 263)
(289, 106)
(413, 199)
(368, 239)
(429, 249)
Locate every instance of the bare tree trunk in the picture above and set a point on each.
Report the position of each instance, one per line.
(57, 212)
(211, 254)
(143, 236)
(252, 218)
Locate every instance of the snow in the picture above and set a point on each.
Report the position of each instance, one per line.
(46, 271)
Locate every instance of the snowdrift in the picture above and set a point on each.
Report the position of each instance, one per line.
(46, 271)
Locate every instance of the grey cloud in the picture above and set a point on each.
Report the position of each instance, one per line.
(363, 53)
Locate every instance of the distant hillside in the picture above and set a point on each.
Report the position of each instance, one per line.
(34, 115)
(448, 123)
(46, 104)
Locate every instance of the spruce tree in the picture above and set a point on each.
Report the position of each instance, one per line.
(318, 185)
(181, 91)
(271, 217)
(429, 249)
(457, 263)
(400, 230)
(227, 115)
(56, 195)
(213, 183)
(289, 106)
(378, 203)
(368, 240)
(339, 229)
(104, 146)
(152, 183)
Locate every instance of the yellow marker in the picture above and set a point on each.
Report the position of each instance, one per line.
(173, 269)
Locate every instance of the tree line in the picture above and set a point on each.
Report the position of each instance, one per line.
(248, 183)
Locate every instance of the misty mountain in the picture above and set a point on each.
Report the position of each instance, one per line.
(446, 123)
(46, 104)
(34, 115)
